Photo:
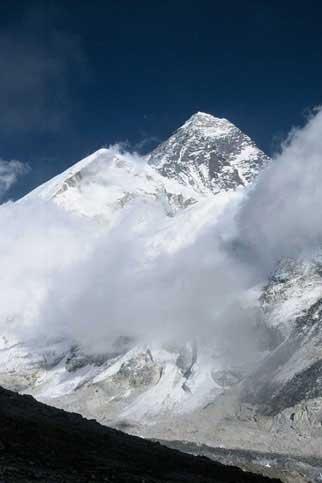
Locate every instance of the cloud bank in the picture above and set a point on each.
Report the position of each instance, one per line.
(281, 215)
(64, 277)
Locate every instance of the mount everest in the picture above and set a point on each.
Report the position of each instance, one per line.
(146, 319)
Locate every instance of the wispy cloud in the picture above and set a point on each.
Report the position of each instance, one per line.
(146, 144)
(281, 214)
(10, 171)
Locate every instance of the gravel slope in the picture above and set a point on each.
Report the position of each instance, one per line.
(41, 443)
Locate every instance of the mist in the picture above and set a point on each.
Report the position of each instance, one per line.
(10, 171)
(65, 276)
(281, 214)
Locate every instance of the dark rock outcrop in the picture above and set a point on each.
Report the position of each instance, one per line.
(41, 443)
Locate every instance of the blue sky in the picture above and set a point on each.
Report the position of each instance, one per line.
(78, 75)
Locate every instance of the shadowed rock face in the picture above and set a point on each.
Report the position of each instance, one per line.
(293, 372)
(304, 386)
(40, 443)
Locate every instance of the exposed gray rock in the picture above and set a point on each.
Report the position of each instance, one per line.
(209, 154)
(139, 371)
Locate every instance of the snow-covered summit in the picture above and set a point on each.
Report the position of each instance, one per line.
(209, 154)
(201, 120)
(205, 156)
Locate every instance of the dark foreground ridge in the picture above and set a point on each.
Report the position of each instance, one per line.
(42, 443)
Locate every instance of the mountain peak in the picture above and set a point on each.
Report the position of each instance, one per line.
(205, 156)
(209, 154)
(204, 116)
(210, 125)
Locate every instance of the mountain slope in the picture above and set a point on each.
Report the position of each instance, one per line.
(39, 443)
(275, 409)
(108, 180)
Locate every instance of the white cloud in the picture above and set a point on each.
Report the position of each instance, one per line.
(62, 277)
(9, 173)
(282, 213)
